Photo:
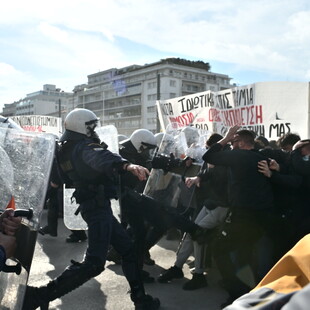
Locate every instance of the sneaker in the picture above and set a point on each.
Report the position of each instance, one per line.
(74, 238)
(147, 302)
(33, 300)
(173, 272)
(198, 281)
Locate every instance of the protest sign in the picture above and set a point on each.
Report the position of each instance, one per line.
(39, 123)
(270, 109)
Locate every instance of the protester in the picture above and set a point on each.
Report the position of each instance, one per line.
(210, 216)
(287, 141)
(251, 204)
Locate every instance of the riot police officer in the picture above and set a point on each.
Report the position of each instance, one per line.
(137, 149)
(91, 168)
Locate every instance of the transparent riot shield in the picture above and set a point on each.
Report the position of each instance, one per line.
(166, 182)
(72, 218)
(26, 160)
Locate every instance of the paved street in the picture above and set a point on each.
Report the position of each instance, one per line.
(108, 290)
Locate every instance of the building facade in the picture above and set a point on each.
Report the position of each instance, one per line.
(126, 97)
(49, 101)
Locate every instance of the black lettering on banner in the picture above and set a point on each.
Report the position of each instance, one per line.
(280, 129)
(210, 100)
(202, 126)
(243, 97)
(35, 121)
(258, 129)
(228, 106)
(167, 108)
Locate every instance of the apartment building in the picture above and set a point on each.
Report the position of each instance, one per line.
(126, 97)
(50, 101)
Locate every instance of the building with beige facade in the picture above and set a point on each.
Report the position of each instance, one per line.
(125, 97)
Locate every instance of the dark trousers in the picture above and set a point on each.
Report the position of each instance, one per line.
(103, 230)
(238, 245)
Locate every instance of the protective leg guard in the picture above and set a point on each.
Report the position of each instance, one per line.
(73, 277)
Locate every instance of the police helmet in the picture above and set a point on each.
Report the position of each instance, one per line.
(121, 138)
(80, 123)
(191, 135)
(159, 137)
(143, 139)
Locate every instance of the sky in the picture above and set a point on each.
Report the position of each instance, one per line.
(62, 41)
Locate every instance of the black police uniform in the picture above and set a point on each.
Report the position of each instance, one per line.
(92, 169)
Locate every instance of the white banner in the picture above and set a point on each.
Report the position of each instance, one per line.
(270, 109)
(39, 123)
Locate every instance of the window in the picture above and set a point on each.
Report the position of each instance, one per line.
(151, 97)
(151, 109)
(151, 85)
(172, 83)
(151, 121)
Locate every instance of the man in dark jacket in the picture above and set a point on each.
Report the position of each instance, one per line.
(250, 198)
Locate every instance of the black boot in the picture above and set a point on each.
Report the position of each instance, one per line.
(35, 299)
(145, 277)
(147, 302)
(47, 231)
(73, 277)
(173, 272)
(114, 256)
(198, 281)
(77, 236)
(141, 300)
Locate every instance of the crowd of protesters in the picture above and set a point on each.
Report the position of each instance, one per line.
(254, 208)
(267, 207)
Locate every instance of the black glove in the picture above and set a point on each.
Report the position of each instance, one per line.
(165, 162)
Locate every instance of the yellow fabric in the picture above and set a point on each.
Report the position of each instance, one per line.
(292, 271)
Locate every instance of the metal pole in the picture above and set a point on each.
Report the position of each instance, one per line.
(59, 108)
(158, 98)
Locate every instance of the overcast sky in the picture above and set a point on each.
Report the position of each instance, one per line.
(61, 44)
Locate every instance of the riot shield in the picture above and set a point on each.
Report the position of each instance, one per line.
(26, 160)
(72, 218)
(166, 182)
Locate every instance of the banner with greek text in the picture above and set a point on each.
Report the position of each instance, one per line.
(270, 109)
(39, 123)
